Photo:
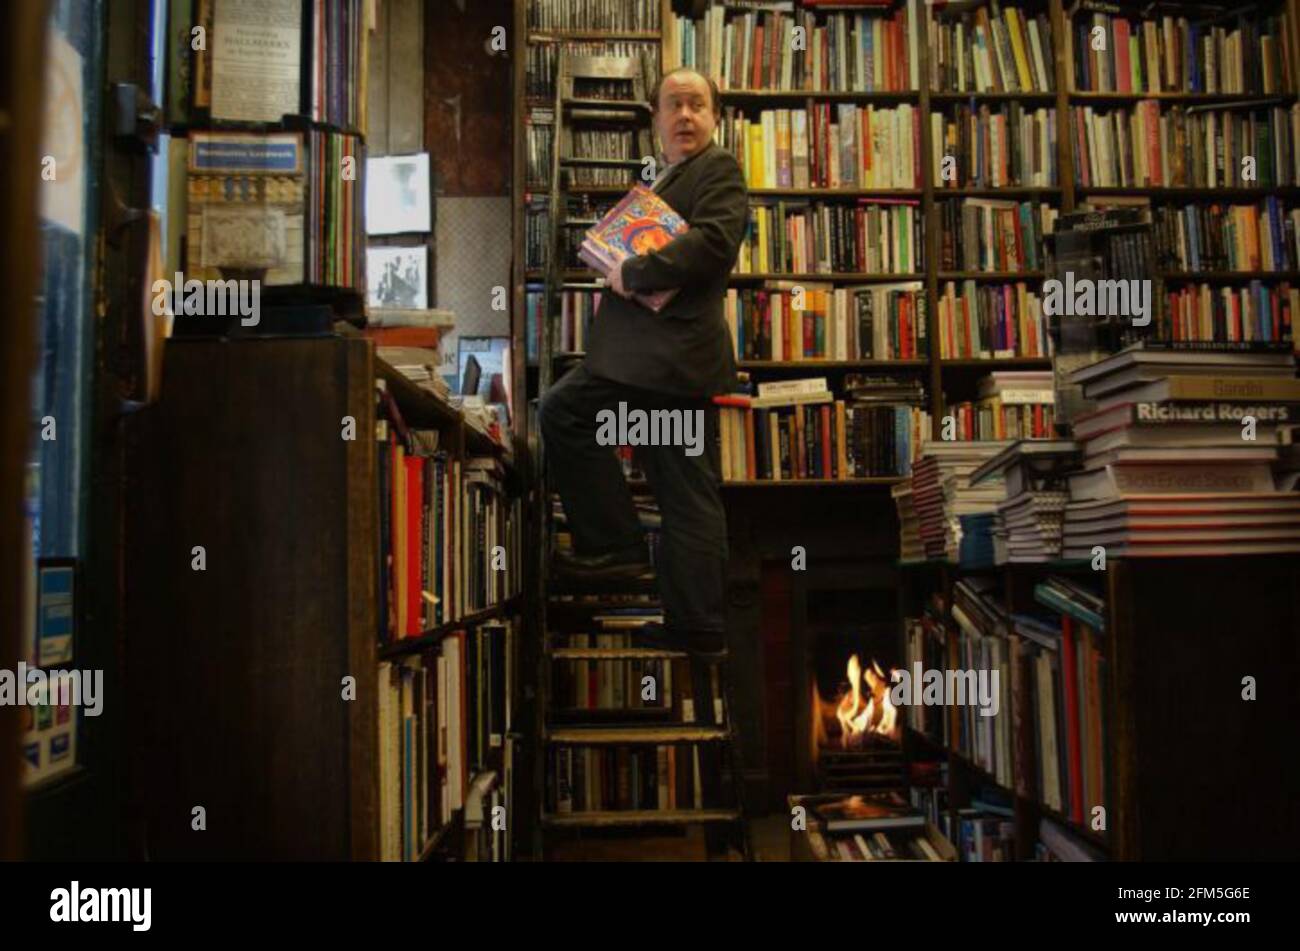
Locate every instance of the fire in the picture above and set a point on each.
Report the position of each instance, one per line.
(865, 711)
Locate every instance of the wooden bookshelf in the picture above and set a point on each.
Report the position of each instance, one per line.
(961, 375)
(744, 97)
(257, 645)
(596, 36)
(434, 636)
(1162, 616)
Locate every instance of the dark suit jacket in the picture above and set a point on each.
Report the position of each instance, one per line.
(686, 348)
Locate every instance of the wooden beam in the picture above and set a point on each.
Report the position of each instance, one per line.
(21, 113)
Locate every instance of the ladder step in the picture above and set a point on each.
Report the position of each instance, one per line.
(573, 162)
(638, 817)
(617, 106)
(616, 735)
(614, 653)
(595, 587)
(621, 716)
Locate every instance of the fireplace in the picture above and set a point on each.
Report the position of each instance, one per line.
(844, 642)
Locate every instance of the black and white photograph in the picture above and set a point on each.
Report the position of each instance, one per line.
(398, 277)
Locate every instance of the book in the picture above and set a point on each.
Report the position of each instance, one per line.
(640, 223)
(845, 50)
(866, 813)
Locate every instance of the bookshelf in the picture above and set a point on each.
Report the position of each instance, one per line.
(957, 378)
(249, 719)
(303, 571)
(1159, 613)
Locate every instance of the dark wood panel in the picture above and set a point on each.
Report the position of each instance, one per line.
(21, 102)
(239, 668)
(1215, 775)
(467, 97)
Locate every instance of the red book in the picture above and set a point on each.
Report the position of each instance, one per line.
(1123, 66)
(426, 337)
(414, 521)
(1068, 675)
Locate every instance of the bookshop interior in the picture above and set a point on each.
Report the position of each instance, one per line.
(650, 430)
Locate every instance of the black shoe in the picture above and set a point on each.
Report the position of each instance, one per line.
(630, 564)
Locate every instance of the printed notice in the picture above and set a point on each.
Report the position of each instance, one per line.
(256, 57)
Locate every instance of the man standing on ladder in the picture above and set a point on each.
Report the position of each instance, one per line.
(677, 358)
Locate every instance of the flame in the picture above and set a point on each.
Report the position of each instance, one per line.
(871, 711)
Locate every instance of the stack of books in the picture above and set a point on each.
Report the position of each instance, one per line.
(640, 223)
(942, 491)
(1171, 466)
(869, 828)
(911, 548)
(1030, 516)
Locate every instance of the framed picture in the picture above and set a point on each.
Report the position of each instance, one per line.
(398, 277)
(397, 195)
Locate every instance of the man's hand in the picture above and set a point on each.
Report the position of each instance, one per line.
(615, 279)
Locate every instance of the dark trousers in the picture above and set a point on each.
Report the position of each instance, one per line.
(693, 551)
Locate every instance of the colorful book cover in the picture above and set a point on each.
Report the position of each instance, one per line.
(640, 223)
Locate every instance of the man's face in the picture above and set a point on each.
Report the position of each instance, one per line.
(684, 116)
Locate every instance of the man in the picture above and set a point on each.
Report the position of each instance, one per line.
(674, 359)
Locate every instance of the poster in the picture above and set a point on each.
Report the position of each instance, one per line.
(256, 60)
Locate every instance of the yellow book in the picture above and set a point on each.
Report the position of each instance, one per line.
(758, 174)
(763, 263)
(1015, 30)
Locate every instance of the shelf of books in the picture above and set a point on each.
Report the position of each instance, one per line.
(272, 136)
(919, 176)
(449, 569)
(1056, 556)
(1033, 109)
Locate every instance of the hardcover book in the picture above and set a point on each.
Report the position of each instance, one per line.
(640, 223)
